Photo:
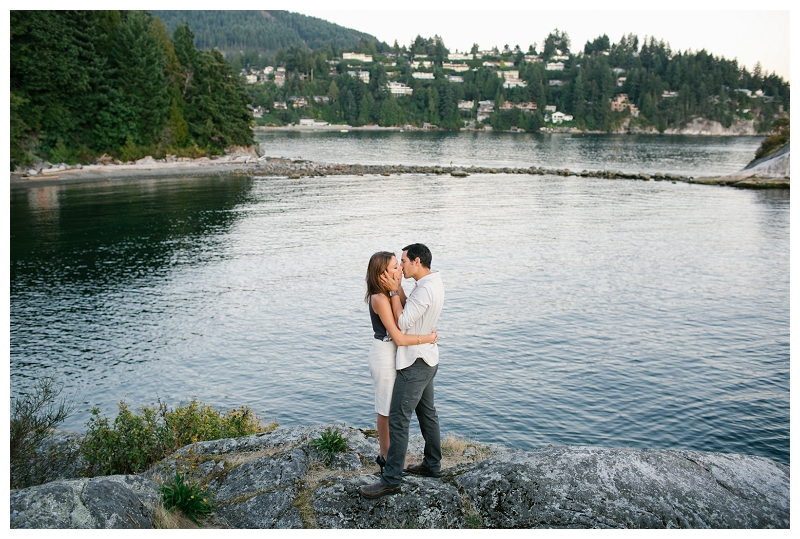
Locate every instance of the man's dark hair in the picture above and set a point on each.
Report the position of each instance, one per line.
(418, 250)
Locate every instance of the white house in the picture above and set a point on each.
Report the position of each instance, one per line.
(550, 108)
(559, 117)
(459, 56)
(511, 74)
(466, 105)
(423, 75)
(356, 56)
(555, 82)
(399, 88)
(485, 109)
(279, 105)
(532, 58)
(363, 75)
(514, 83)
(554, 66)
(311, 122)
(455, 67)
(250, 79)
(559, 58)
(268, 70)
(455, 78)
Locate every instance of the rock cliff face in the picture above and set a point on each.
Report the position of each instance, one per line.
(276, 480)
(701, 126)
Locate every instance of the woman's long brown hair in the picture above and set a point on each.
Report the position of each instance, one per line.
(377, 265)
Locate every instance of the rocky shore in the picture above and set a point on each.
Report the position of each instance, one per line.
(277, 480)
(250, 164)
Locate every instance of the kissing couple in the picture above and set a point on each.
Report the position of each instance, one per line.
(403, 361)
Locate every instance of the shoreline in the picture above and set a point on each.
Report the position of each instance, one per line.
(699, 127)
(295, 169)
(279, 479)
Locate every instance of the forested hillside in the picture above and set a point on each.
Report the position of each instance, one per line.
(261, 31)
(85, 83)
(653, 86)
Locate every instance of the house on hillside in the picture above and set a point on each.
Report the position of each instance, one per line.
(455, 67)
(356, 56)
(554, 66)
(305, 121)
(559, 117)
(455, 78)
(298, 102)
(399, 88)
(422, 75)
(363, 75)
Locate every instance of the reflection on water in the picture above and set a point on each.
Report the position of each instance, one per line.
(578, 310)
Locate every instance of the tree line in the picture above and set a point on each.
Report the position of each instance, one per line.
(84, 83)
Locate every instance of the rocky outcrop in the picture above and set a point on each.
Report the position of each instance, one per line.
(277, 480)
(589, 487)
(701, 126)
(769, 172)
(118, 501)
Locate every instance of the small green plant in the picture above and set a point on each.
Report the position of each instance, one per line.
(33, 416)
(328, 444)
(186, 496)
(474, 521)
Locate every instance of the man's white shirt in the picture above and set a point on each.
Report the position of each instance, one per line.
(419, 317)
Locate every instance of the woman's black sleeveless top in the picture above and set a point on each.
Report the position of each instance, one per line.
(377, 326)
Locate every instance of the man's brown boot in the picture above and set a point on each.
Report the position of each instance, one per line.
(376, 490)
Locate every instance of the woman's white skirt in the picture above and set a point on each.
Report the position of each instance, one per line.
(382, 361)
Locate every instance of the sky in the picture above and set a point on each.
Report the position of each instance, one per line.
(748, 35)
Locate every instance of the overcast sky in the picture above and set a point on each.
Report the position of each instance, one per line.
(747, 35)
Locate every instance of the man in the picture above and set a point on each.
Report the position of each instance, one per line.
(416, 366)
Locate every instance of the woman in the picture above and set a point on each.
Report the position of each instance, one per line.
(382, 272)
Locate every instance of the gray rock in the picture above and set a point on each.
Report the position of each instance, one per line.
(587, 487)
(269, 510)
(422, 503)
(263, 474)
(348, 461)
(101, 502)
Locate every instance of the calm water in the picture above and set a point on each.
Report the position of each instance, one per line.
(578, 311)
(686, 155)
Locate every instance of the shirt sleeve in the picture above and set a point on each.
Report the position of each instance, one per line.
(416, 305)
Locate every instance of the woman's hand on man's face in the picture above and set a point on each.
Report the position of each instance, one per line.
(390, 280)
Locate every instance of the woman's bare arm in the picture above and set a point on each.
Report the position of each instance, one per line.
(381, 305)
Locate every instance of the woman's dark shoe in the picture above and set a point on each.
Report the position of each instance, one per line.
(381, 462)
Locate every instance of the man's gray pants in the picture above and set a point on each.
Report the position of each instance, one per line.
(413, 392)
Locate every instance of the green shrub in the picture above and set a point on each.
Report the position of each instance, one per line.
(132, 442)
(328, 444)
(33, 417)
